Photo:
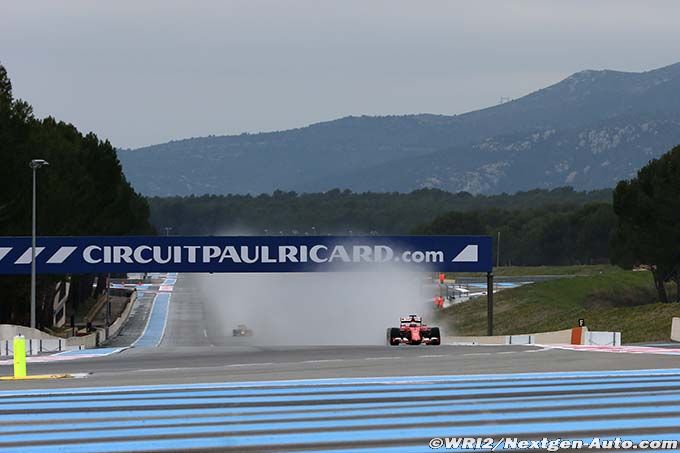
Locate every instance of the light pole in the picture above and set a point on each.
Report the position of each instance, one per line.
(167, 230)
(34, 164)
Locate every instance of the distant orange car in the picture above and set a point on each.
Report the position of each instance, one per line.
(411, 330)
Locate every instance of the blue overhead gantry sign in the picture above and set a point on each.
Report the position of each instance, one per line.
(121, 254)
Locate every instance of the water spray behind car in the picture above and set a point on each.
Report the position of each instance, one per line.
(315, 308)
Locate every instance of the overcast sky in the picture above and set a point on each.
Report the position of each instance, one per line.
(144, 72)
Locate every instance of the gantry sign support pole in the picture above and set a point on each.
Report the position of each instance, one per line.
(489, 303)
(107, 320)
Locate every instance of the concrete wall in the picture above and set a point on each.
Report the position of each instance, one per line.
(557, 337)
(9, 331)
(120, 321)
(37, 341)
(501, 339)
(577, 335)
(100, 336)
(675, 329)
(41, 342)
(91, 340)
(604, 338)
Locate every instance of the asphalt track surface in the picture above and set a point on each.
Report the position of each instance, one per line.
(199, 389)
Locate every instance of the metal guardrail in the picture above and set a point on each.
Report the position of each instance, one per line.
(35, 346)
(54, 345)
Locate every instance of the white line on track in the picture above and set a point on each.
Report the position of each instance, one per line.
(167, 315)
(148, 370)
(323, 361)
(250, 364)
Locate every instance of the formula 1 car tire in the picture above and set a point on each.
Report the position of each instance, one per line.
(434, 333)
(392, 334)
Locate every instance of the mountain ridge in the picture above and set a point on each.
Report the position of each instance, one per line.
(583, 121)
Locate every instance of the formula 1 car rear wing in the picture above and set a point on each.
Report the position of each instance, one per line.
(411, 319)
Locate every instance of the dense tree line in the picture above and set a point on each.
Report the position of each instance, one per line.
(648, 230)
(339, 212)
(550, 235)
(82, 192)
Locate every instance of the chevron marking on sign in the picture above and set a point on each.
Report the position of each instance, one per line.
(468, 255)
(4, 251)
(61, 255)
(25, 258)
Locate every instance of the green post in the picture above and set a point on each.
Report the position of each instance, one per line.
(19, 357)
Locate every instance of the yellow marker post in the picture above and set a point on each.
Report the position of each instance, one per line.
(19, 357)
(20, 364)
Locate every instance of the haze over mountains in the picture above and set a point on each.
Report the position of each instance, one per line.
(588, 131)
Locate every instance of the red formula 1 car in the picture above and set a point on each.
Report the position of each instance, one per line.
(412, 331)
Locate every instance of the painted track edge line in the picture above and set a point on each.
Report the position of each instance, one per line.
(165, 323)
(343, 381)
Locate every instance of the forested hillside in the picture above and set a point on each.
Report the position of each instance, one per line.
(81, 192)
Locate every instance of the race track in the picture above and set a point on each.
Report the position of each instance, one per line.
(351, 415)
(187, 385)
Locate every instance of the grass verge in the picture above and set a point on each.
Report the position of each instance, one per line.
(614, 300)
(516, 271)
